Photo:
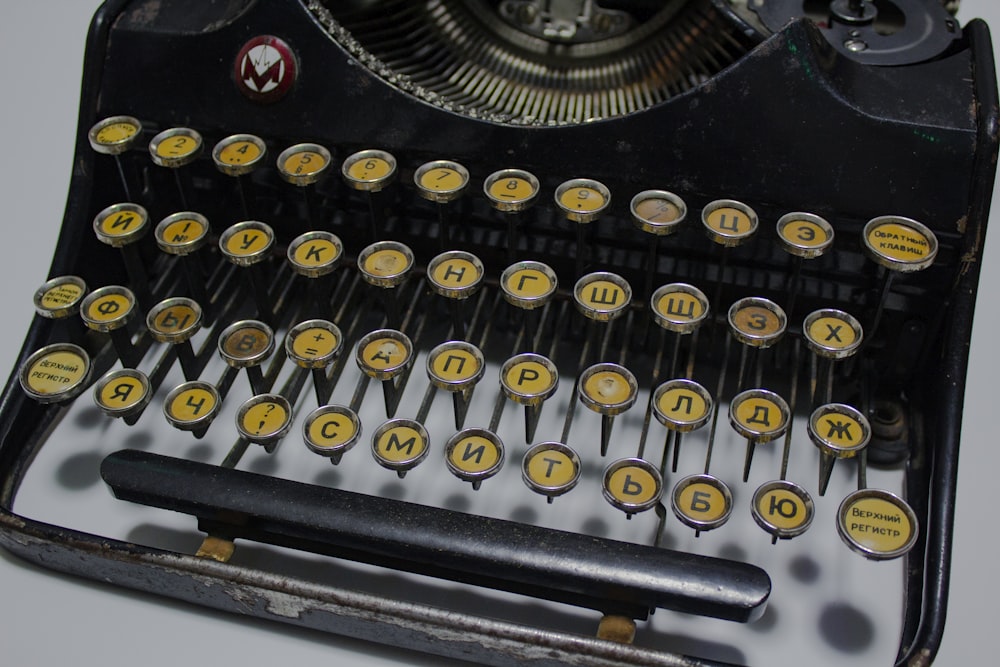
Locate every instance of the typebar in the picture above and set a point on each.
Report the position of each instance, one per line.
(607, 575)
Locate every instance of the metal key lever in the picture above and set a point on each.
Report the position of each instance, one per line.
(597, 573)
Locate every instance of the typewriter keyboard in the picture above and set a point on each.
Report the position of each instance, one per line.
(384, 364)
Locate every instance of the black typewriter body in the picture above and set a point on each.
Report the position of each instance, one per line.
(776, 120)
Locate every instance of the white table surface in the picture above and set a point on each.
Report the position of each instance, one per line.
(48, 619)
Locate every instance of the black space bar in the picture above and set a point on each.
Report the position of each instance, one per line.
(602, 574)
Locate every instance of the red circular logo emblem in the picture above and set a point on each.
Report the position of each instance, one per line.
(265, 69)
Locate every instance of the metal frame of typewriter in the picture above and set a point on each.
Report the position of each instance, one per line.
(231, 588)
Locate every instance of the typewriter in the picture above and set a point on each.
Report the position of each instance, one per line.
(698, 277)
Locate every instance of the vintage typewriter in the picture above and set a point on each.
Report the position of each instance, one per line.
(698, 277)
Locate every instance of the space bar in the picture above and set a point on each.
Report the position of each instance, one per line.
(607, 575)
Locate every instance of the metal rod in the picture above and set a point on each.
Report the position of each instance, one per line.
(661, 524)
(182, 183)
(794, 284)
(426, 403)
(136, 271)
(717, 403)
(121, 175)
(121, 339)
(247, 197)
(652, 257)
(189, 363)
(511, 237)
(677, 451)
(359, 392)
(322, 385)
(444, 227)
(863, 470)
(258, 385)
(654, 382)
(887, 278)
(457, 321)
(792, 399)
(607, 422)
(675, 354)
(667, 440)
(691, 354)
(748, 458)
(312, 207)
(373, 218)
(192, 268)
(571, 408)
(461, 400)
(741, 375)
(260, 283)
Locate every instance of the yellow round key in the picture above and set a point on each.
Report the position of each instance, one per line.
(400, 445)
(877, 524)
(192, 406)
(247, 243)
(122, 393)
(832, 333)
(783, 509)
(679, 307)
(315, 254)
(174, 320)
(582, 200)
(804, 234)
(455, 365)
(551, 469)
(528, 378)
(682, 405)
(55, 373)
(728, 222)
(239, 154)
(899, 243)
(757, 322)
(121, 224)
(331, 430)
(246, 343)
(313, 343)
(608, 388)
(839, 430)
(385, 263)
(528, 285)
(182, 233)
(114, 135)
(632, 485)
(511, 190)
(702, 502)
(658, 212)
(384, 353)
(60, 297)
(474, 455)
(264, 419)
(602, 296)
(108, 308)
(303, 164)
(175, 147)
(759, 415)
(441, 181)
(369, 170)
(455, 274)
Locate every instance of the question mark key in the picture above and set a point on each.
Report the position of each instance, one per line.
(264, 419)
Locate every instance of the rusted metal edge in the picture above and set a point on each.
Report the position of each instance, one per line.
(245, 591)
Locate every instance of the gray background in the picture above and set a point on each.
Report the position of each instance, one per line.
(47, 618)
